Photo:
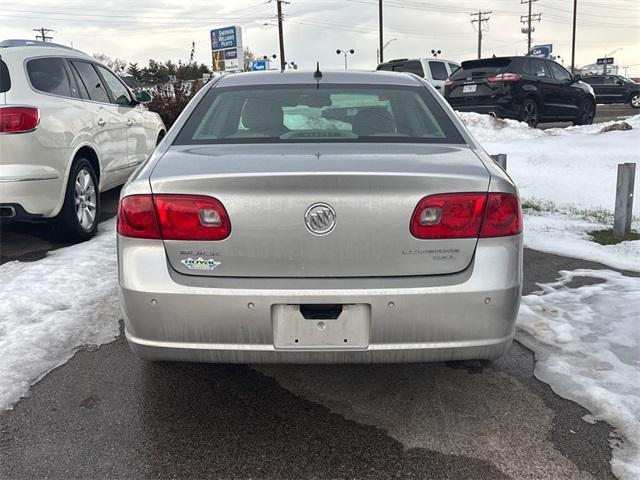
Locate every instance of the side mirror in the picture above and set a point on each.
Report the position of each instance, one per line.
(576, 77)
(142, 96)
(619, 82)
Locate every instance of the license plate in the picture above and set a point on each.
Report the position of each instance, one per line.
(468, 88)
(350, 330)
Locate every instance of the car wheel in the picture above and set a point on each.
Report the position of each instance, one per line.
(586, 113)
(634, 101)
(78, 219)
(529, 113)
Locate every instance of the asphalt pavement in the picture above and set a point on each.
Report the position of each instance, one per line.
(107, 414)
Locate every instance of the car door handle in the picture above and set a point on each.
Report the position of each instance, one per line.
(101, 122)
(129, 122)
(438, 87)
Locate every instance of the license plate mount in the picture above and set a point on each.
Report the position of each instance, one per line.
(349, 331)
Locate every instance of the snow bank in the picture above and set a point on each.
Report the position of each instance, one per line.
(587, 347)
(52, 307)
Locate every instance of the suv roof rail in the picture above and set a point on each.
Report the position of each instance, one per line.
(31, 43)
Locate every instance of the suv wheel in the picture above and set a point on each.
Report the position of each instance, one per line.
(634, 101)
(78, 219)
(586, 113)
(529, 113)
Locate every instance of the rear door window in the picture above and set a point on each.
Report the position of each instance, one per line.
(592, 80)
(411, 66)
(5, 78)
(438, 70)
(91, 81)
(49, 75)
(537, 67)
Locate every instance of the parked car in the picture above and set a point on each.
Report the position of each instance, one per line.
(528, 89)
(69, 129)
(614, 89)
(263, 231)
(433, 70)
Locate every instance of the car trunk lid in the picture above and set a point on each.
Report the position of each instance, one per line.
(267, 191)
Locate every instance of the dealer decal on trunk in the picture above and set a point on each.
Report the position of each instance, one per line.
(200, 263)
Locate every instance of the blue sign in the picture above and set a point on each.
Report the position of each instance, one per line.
(543, 51)
(259, 65)
(222, 38)
(605, 61)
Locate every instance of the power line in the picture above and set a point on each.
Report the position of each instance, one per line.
(527, 19)
(482, 23)
(43, 34)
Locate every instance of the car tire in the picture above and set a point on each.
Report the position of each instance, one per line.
(80, 214)
(586, 113)
(634, 100)
(530, 113)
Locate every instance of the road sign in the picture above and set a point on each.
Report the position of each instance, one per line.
(259, 65)
(605, 61)
(543, 51)
(226, 49)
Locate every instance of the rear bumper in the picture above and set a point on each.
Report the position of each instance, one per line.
(499, 110)
(34, 190)
(469, 315)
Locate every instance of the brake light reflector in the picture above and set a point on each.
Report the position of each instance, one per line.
(503, 216)
(504, 77)
(173, 217)
(137, 218)
(191, 217)
(18, 119)
(455, 215)
(466, 215)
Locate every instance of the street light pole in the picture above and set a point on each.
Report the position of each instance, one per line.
(380, 26)
(573, 38)
(345, 53)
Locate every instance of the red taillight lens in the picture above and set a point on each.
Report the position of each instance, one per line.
(448, 82)
(466, 215)
(18, 119)
(137, 218)
(503, 216)
(456, 215)
(504, 77)
(191, 217)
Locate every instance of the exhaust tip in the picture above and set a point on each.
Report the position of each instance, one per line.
(493, 114)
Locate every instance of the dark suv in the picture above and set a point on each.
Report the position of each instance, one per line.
(614, 89)
(528, 89)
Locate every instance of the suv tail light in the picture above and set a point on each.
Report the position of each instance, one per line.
(173, 217)
(448, 82)
(466, 215)
(18, 119)
(505, 77)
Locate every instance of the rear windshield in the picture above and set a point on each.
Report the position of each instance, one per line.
(408, 66)
(306, 113)
(481, 68)
(5, 79)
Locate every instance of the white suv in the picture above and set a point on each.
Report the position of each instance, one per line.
(434, 70)
(69, 129)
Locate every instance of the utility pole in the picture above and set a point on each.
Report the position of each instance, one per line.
(281, 33)
(380, 26)
(527, 19)
(43, 34)
(482, 22)
(573, 38)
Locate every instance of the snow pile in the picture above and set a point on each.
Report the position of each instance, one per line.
(587, 346)
(52, 307)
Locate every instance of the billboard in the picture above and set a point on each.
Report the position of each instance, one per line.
(543, 51)
(226, 49)
(605, 61)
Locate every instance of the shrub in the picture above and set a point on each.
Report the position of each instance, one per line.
(169, 100)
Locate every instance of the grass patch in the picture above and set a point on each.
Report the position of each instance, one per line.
(606, 237)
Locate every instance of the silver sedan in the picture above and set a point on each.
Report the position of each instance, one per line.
(318, 218)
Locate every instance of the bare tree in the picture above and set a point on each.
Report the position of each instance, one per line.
(118, 65)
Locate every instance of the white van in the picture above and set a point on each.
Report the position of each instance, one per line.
(433, 70)
(69, 129)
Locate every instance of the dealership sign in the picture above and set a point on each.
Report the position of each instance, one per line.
(226, 49)
(259, 65)
(605, 61)
(543, 51)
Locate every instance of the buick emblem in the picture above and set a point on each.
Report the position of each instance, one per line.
(320, 218)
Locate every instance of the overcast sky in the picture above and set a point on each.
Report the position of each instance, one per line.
(161, 29)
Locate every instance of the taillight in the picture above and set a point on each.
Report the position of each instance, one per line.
(448, 82)
(503, 216)
(173, 217)
(466, 215)
(18, 119)
(504, 77)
